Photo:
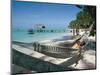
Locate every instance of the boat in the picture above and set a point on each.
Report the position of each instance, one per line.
(30, 31)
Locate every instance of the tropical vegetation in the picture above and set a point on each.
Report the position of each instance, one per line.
(84, 19)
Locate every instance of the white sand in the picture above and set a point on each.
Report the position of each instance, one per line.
(92, 38)
(52, 40)
(88, 62)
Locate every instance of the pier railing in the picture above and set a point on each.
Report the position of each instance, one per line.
(51, 30)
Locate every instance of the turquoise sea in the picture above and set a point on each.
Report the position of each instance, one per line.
(23, 36)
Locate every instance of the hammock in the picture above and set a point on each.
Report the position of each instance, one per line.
(77, 44)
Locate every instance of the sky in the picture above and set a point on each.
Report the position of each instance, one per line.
(26, 15)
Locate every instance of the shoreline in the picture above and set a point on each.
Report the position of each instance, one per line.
(63, 39)
(69, 40)
(60, 38)
(40, 37)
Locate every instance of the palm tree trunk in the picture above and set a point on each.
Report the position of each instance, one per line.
(73, 32)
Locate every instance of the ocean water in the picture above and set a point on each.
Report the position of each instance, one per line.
(23, 36)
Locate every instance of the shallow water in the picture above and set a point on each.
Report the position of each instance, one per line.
(23, 36)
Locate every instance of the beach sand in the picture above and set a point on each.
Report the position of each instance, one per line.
(87, 61)
(89, 57)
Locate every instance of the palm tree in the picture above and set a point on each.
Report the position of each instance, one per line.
(91, 11)
(74, 25)
(84, 18)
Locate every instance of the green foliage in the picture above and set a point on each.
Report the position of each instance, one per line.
(84, 18)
